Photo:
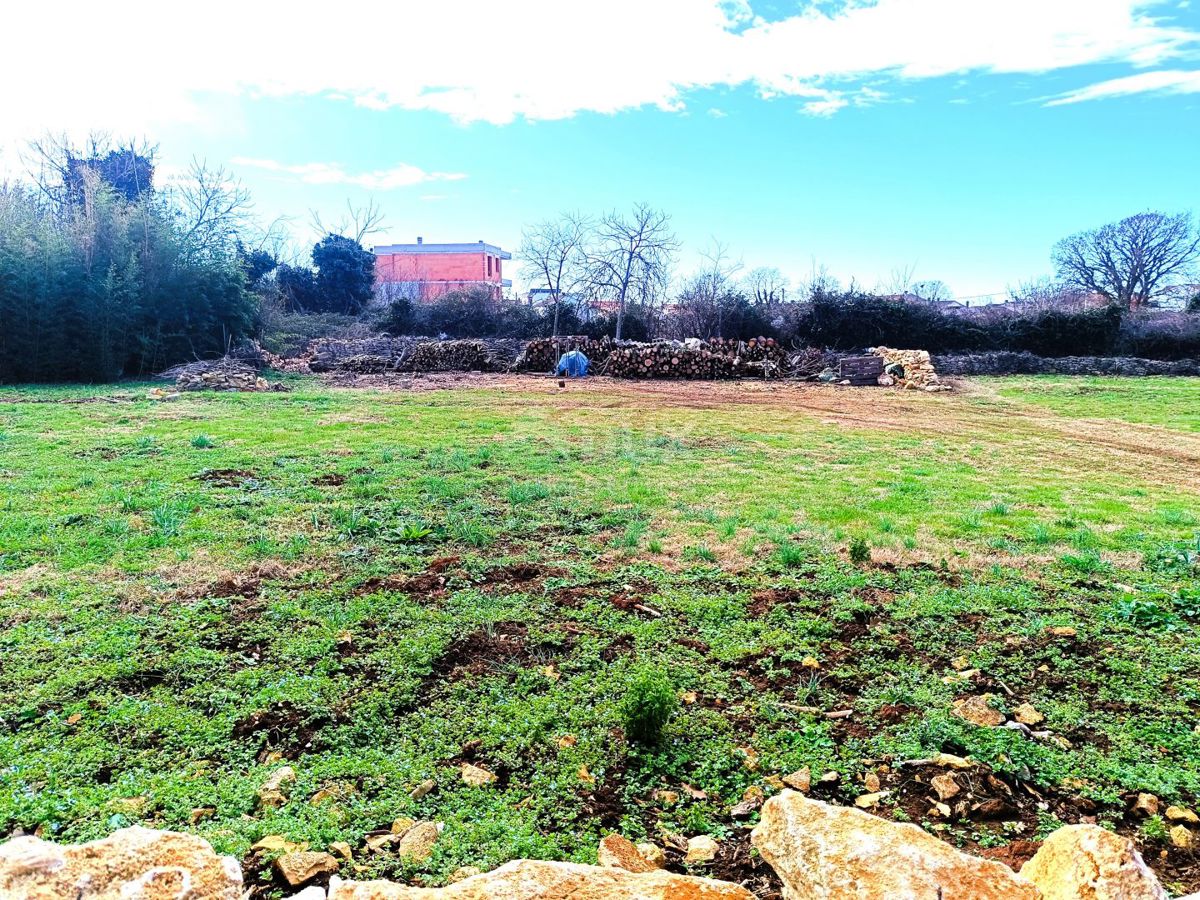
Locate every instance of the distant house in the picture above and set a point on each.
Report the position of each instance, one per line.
(424, 272)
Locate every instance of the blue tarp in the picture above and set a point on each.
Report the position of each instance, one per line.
(574, 364)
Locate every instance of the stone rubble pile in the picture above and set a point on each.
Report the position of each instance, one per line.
(818, 851)
(226, 374)
(912, 369)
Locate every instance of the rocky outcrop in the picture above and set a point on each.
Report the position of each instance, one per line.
(1085, 862)
(130, 864)
(837, 853)
(819, 851)
(530, 880)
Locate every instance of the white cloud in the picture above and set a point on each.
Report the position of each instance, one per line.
(398, 176)
(538, 59)
(1163, 81)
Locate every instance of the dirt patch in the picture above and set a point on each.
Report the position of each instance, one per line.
(429, 585)
(484, 651)
(330, 479)
(515, 574)
(247, 584)
(736, 862)
(229, 478)
(283, 727)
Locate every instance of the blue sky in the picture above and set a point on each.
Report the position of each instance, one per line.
(955, 138)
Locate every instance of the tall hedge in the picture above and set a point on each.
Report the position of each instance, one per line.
(849, 321)
(110, 287)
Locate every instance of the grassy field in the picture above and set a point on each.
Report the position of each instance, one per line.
(377, 586)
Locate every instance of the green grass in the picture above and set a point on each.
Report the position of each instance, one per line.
(363, 584)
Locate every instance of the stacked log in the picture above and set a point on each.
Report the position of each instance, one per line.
(542, 354)
(329, 354)
(469, 355)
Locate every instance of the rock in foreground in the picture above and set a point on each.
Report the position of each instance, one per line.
(531, 880)
(1085, 862)
(837, 853)
(131, 863)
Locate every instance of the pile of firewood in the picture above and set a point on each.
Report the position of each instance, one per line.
(467, 355)
(693, 358)
(219, 375)
(542, 354)
(331, 354)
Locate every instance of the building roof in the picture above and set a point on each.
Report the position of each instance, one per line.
(422, 247)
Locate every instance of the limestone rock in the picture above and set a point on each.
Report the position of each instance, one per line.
(945, 785)
(475, 776)
(312, 892)
(532, 880)
(464, 872)
(1181, 814)
(800, 780)
(1146, 805)
(271, 794)
(700, 849)
(131, 863)
(1181, 837)
(417, 843)
(422, 789)
(836, 853)
(620, 853)
(302, 867)
(1086, 861)
(1027, 714)
(653, 854)
(978, 711)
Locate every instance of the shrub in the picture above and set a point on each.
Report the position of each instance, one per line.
(648, 705)
(853, 320)
(1161, 336)
(860, 551)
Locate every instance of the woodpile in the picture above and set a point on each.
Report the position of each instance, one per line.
(912, 369)
(383, 354)
(690, 359)
(332, 354)
(468, 355)
(542, 354)
(219, 375)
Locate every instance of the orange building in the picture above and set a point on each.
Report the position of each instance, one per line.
(423, 271)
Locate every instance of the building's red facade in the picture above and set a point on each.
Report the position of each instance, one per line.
(423, 271)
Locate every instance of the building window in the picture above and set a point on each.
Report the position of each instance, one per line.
(489, 259)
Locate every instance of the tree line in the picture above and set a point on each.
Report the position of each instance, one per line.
(106, 273)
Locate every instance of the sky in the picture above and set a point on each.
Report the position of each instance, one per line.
(950, 139)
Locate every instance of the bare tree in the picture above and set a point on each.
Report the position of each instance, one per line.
(1132, 261)
(766, 284)
(357, 222)
(216, 208)
(555, 251)
(932, 290)
(819, 281)
(899, 280)
(631, 257)
(704, 295)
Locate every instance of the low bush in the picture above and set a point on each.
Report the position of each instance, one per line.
(648, 705)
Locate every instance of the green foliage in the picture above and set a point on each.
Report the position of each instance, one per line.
(1144, 614)
(648, 704)
(202, 442)
(860, 551)
(853, 320)
(91, 291)
(345, 274)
